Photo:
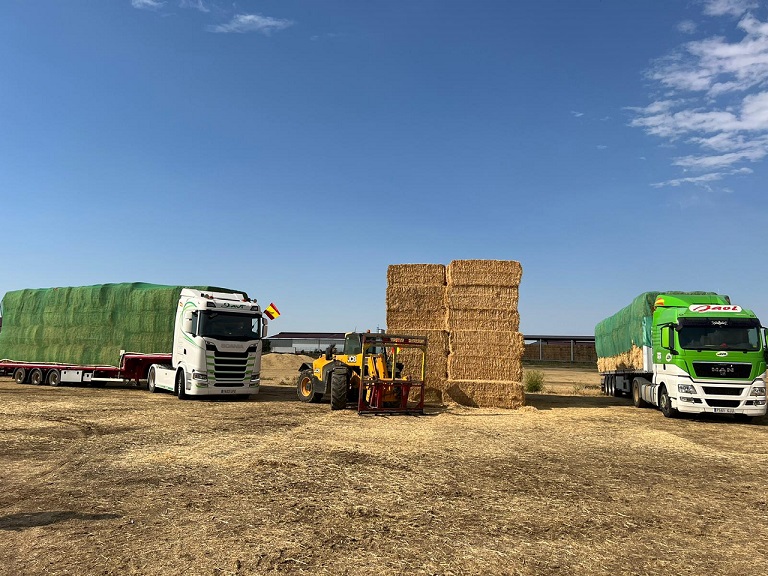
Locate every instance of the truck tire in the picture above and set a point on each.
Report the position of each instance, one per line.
(181, 384)
(665, 404)
(305, 387)
(53, 378)
(151, 377)
(20, 375)
(637, 399)
(36, 376)
(339, 388)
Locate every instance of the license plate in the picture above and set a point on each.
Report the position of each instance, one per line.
(725, 410)
(228, 391)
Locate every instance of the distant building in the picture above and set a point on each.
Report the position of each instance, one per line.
(303, 342)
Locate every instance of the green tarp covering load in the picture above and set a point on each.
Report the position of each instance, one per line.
(630, 326)
(89, 325)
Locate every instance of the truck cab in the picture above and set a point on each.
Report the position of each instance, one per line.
(217, 346)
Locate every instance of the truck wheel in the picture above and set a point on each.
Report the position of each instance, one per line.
(304, 387)
(20, 375)
(637, 399)
(181, 383)
(339, 389)
(53, 378)
(151, 380)
(665, 404)
(36, 377)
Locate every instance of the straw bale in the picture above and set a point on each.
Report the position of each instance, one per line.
(487, 342)
(471, 367)
(629, 360)
(481, 297)
(486, 393)
(484, 273)
(501, 320)
(414, 274)
(413, 321)
(419, 298)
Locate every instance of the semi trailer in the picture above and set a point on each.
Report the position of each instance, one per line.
(685, 352)
(197, 341)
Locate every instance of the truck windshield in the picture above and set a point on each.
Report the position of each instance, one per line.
(229, 326)
(743, 338)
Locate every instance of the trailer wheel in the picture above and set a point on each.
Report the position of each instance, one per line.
(53, 378)
(20, 375)
(637, 399)
(304, 388)
(151, 380)
(36, 377)
(181, 383)
(665, 404)
(339, 389)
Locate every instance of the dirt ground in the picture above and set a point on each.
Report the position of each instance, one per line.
(120, 481)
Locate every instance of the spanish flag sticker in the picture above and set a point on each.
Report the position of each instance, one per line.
(271, 312)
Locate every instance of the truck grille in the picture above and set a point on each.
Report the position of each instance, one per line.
(722, 370)
(723, 403)
(228, 368)
(713, 391)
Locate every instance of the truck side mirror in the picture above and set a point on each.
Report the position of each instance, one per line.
(264, 330)
(186, 322)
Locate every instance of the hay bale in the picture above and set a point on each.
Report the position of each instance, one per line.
(436, 358)
(414, 321)
(489, 320)
(630, 360)
(486, 393)
(472, 367)
(487, 342)
(415, 274)
(416, 298)
(484, 273)
(481, 297)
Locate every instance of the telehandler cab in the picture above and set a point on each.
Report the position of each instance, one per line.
(368, 373)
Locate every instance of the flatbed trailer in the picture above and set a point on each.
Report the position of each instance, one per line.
(133, 367)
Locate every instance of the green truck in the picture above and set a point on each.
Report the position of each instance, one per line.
(685, 352)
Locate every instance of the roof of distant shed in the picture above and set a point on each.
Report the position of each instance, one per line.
(307, 336)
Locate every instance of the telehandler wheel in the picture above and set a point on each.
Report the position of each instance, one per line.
(637, 400)
(665, 404)
(20, 375)
(304, 388)
(339, 388)
(53, 378)
(36, 377)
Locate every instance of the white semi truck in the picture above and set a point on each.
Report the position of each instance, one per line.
(65, 335)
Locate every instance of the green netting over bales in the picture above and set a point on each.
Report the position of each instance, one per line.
(631, 326)
(89, 324)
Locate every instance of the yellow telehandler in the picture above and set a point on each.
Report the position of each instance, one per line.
(368, 373)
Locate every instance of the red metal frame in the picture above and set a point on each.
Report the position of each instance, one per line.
(375, 387)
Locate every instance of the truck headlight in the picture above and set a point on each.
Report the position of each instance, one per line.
(757, 391)
(200, 376)
(686, 389)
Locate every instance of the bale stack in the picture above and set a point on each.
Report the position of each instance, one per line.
(485, 345)
(416, 305)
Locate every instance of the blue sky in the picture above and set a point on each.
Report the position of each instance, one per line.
(295, 149)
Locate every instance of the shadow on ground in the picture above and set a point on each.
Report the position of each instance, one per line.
(23, 520)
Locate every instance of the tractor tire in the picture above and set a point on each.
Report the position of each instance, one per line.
(304, 388)
(339, 388)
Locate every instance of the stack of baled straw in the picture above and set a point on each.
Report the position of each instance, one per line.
(416, 306)
(475, 349)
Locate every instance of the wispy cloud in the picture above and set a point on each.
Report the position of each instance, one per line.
(243, 23)
(716, 98)
(147, 4)
(194, 4)
(577, 114)
(687, 27)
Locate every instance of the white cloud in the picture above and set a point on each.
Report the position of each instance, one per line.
(728, 7)
(577, 114)
(243, 23)
(687, 26)
(195, 4)
(715, 98)
(147, 4)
